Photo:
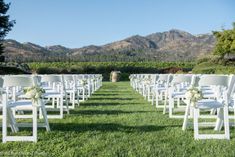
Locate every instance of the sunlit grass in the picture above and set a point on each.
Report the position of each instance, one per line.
(117, 121)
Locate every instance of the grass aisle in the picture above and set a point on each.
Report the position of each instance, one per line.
(116, 121)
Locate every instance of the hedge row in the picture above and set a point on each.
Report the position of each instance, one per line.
(105, 68)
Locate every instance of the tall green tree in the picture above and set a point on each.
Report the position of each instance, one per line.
(225, 42)
(5, 24)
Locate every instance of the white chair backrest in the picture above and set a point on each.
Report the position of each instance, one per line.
(68, 77)
(214, 80)
(155, 77)
(231, 87)
(51, 78)
(181, 79)
(22, 81)
(163, 77)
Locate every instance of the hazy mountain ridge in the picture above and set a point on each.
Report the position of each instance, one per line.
(173, 45)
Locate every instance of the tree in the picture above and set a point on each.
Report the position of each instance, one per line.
(5, 24)
(225, 42)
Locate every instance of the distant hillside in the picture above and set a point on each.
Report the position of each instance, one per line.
(173, 45)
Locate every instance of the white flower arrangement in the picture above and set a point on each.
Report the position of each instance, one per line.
(147, 81)
(83, 82)
(193, 94)
(34, 93)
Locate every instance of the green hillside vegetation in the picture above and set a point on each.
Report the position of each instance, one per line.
(222, 60)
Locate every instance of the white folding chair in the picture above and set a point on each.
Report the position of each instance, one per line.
(177, 90)
(161, 91)
(22, 105)
(220, 104)
(55, 94)
(71, 90)
(83, 90)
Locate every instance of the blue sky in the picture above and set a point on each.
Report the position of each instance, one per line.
(77, 23)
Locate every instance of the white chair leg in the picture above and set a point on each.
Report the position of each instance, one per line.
(12, 121)
(219, 120)
(152, 99)
(57, 102)
(186, 116)
(171, 106)
(83, 94)
(35, 124)
(195, 123)
(53, 102)
(43, 110)
(4, 119)
(226, 122)
(73, 103)
(61, 107)
(148, 93)
(165, 104)
(67, 104)
(78, 102)
(157, 99)
(178, 102)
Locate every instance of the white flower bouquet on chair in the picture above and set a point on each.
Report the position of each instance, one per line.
(34, 93)
(193, 94)
(147, 81)
(83, 82)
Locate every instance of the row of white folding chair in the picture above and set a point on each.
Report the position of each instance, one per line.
(55, 94)
(159, 87)
(62, 89)
(23, 105)
(178, 85)
(168, 87)
(87, 89)
(139, 84)
(77, 89)
(213, 80)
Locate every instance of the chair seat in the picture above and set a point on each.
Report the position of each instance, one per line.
(70, 90)
(208, 94)
(160, 89)
(178, 94)
(22, 105)
(47, 88)
(52, 95)
(209, 104)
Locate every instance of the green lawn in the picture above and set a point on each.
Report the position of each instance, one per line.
(117, 121)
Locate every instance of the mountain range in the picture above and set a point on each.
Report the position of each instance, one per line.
(172, 45)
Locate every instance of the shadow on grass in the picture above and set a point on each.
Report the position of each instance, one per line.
(112, 98)
(108, 112)
(108, 104)
(106, 94)
(106, 127)
(100, 104)
(114, 91)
